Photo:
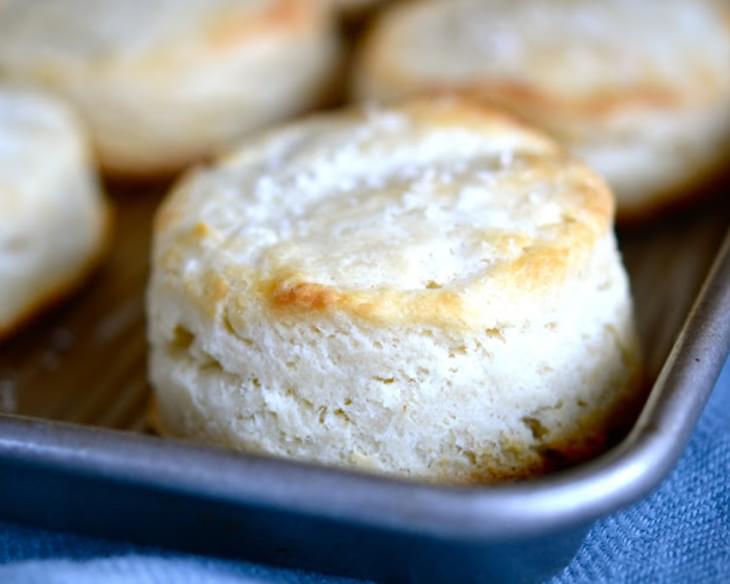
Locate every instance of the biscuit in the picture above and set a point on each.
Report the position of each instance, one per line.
(161, 86)
(53, 219)
(430, 290)
(626, 86)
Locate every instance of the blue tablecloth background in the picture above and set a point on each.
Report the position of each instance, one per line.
(681, 533)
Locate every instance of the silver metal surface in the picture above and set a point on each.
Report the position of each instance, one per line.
(629, 471)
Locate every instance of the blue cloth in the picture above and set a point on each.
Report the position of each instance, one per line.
(681, 533)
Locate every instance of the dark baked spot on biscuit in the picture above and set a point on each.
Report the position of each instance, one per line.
(302, 296)
(495, 333)
(182, 339)
(384, 380)
(228, 325)
(340, 413)
(470, 455)
(536, 427)
(210, 363)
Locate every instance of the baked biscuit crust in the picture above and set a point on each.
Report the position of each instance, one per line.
(54, 222)
(431, 290)
(624, 86)
(161, 88)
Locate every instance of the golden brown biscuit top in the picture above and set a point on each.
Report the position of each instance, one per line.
(585, 56)
(433, 211)
(98, 32)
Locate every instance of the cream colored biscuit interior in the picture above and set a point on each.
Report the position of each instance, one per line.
(627, 86)
(396, 289)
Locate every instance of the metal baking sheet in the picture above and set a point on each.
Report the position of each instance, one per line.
(85, 364)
